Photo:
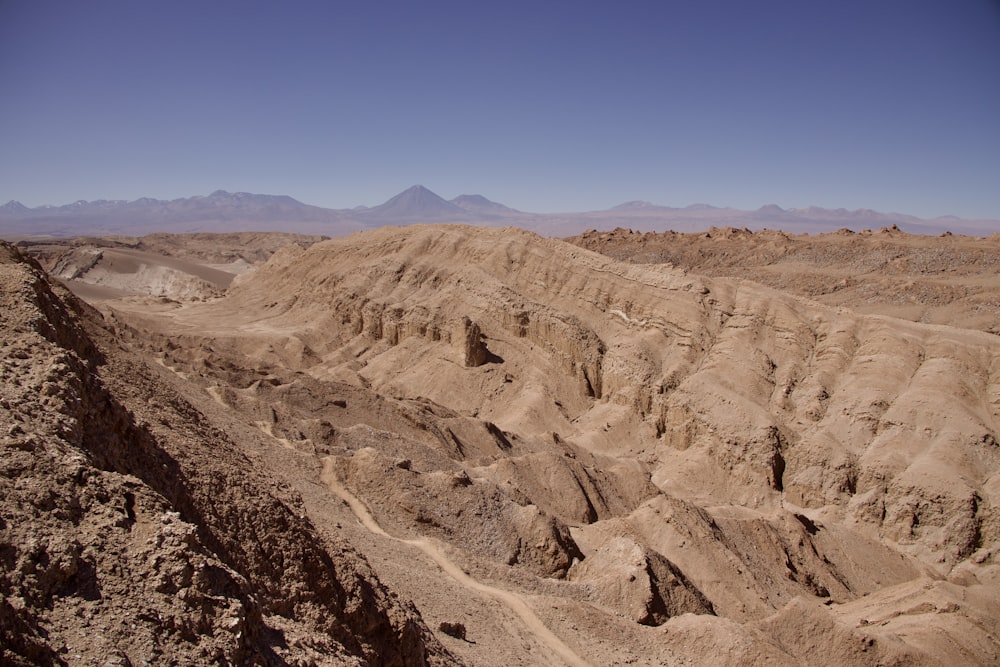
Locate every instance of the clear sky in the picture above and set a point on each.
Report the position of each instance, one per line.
(544, 106)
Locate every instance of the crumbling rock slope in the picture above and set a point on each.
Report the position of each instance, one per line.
(134, 531)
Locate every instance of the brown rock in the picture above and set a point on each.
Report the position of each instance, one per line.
(469, 341)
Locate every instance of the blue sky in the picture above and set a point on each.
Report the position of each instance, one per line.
(545, 106)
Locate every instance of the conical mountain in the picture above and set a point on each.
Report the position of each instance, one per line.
(415, 204)
(14, 207)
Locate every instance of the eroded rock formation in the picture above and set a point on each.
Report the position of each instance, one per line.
(611, 463)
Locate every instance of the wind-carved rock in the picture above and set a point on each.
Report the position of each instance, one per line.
(469, 340)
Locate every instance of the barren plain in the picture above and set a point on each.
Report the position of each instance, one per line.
(434, 445)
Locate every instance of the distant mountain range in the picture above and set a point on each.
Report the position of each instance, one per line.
(242, 211)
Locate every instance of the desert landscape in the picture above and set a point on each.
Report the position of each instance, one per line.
(452, 444)
(499, 334)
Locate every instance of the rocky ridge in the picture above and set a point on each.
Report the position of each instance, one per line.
(944, 280)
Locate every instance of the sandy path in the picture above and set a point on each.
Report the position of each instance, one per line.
(514, 601)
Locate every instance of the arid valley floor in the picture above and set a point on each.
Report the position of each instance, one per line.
(444, 444)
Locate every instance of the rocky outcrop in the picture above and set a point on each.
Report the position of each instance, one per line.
(75, 263)
(639, 583)
(394, 297)
(576, 489)
(474, 514)
(469, 342)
